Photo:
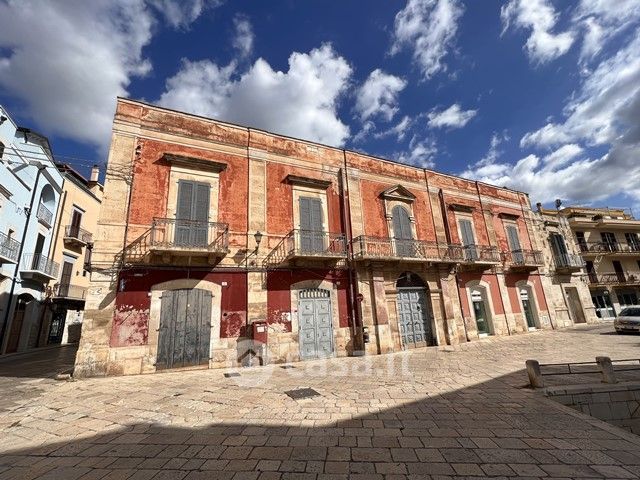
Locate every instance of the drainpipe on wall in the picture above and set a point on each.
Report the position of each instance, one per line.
(5, 325)
(353, 281)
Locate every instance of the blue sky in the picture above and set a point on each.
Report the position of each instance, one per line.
(537, 95)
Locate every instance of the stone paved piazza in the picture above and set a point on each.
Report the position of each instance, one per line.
(429, 413)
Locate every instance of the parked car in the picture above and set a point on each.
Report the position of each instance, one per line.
(628, 320)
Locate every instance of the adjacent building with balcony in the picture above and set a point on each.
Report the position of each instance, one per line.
(608, 240)
(71, 249)
(210, 231)
(30, 189)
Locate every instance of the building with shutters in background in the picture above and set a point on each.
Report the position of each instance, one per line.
(608, 239)
(30, 191)
(77, 220)
(219, 244)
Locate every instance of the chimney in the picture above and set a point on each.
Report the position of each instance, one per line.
(95, 172)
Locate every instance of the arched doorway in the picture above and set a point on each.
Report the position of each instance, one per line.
(18, 320)
(528, 303)
(414, 312)
(481, 310)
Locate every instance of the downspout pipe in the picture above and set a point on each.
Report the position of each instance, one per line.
(3, 330)
(358, 334)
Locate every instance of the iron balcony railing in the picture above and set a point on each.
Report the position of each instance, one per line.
(174, 234)
(480, 254)
(76, 233)
(308, 243)
(44, 215)
(367, 247)
(9, 248)
(36, 262)
(614, 278)
(74, 292)
(569, 261)
(521, 258)
(609, 248)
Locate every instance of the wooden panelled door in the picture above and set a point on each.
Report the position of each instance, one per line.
(185, 328)
(316, 330)
(192, 214)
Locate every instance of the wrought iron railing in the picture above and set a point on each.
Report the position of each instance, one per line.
(568, 260)
(524, 258)
(614, 278)
(39, 263)
(609, 247)
(480, 254)
(9, 248)
(379, 248)
(64, 290)
(171, 233)
(308, 243)
(44, 215)
(77, 233)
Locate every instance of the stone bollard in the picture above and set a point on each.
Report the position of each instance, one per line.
(535, 376)
(606, 367)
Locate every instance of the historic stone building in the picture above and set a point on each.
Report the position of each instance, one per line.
(213, 234)
(609, 241)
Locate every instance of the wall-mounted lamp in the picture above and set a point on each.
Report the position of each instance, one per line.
(258, 238)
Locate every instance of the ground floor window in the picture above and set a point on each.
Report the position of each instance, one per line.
(480, 310)
(627, 298)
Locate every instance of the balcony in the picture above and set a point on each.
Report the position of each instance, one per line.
(189, 238)
(76, 236)
(614, 278)
(44, 215)
(523, 260)
(63, 291)
(389, 249)
(308, 244)
(480, 255)
(609, 248)
(38, 267)
(9, 248)
(567, 263)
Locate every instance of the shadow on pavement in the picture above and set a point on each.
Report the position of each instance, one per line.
(39, 363)
(487, 429)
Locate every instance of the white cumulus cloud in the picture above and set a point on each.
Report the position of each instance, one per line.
(538, 16)
(378, 95)
(428, 28)
(68, 61)
(244, 38)
(301, 102)
(452, 117)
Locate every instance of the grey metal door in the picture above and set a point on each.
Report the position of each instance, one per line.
(185, 328)
(311, 234)
(414, 318)
(316, 331)
(402, 232)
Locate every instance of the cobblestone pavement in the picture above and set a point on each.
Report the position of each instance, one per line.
(428, 413)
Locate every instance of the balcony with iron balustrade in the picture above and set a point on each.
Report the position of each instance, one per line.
(308, 244)
(614, 278)
(480, 256)
(609, 248)
(390, 249)
(64, 291)
(523, 260)
(44, 215)
(38, 267)
(9, 249)
(568, 263)
(75, 236)
(188, 238)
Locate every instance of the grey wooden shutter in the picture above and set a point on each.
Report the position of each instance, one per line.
(466, 229)
(192, 213)
(402, 231)
(183, 213)
(200, 214)
(514, 243)
(311, 235)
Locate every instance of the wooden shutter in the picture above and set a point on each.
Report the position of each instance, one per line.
(467, 232)
(185, 200)
(557, 243)
(514, 241)
(401, 223)
(192, 213)
(311, 234)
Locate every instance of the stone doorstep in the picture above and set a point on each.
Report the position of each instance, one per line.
(601, 424)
